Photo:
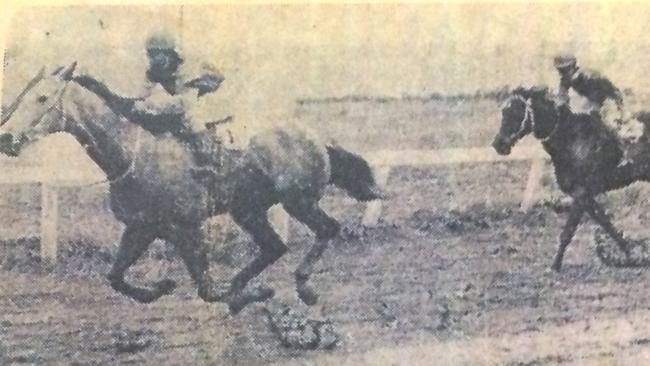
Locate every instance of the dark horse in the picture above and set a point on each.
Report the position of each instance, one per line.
(152, 190)
(584, 153)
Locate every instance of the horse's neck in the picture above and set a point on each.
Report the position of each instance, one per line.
(106, 137)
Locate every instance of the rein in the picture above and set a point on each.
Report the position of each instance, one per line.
(5, 115)
(58, 106)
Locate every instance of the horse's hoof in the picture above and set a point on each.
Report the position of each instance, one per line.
(165, 287)
(307, 295)
(239, 300)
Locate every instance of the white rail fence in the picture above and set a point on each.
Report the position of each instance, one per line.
(382, 162)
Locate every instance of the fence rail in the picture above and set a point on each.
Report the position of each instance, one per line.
(382, 162)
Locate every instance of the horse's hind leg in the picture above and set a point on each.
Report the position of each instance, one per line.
(135, 241)
(325, 229)
(569, 229)
(271, 249)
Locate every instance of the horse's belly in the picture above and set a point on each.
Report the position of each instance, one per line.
(162, 187)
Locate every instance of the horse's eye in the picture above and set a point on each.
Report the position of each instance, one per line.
(42, 99)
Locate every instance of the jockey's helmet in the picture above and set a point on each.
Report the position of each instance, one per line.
(564, 61)
(162, 43)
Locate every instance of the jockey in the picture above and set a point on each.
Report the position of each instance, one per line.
(604, 100)
(169, 105)
(172, 98)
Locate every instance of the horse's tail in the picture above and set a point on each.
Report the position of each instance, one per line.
(352, 173)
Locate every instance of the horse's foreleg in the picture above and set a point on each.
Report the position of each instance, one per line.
(194, 252)
(325, 229)
(271, 249)
(598, 214)
(569, 229)
(135, 241)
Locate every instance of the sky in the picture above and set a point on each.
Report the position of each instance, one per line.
(272, 55)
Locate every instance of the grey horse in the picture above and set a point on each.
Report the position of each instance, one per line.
(154, 193)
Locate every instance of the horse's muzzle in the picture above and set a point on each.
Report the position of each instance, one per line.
(8, 145)
(501, 145)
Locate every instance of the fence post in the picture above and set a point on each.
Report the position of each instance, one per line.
(532, 184)
(373, 209)
(49, 222)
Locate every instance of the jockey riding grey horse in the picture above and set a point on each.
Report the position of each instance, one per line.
(164, 108)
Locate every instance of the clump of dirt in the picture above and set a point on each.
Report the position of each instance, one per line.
(133, 341)
(611, 255)
(453, 221)
(296, 331)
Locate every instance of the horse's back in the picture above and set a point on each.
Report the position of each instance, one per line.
(293, 160)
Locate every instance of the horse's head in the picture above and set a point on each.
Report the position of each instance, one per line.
(519, 115)
(36, 112)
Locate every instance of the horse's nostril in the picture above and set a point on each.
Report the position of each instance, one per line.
(501, 146)
(7, 144)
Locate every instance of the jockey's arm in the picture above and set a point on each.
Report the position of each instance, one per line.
(116, 103)
(157, 116)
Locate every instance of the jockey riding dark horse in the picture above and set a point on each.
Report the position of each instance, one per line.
(604, 101)
(164, 108)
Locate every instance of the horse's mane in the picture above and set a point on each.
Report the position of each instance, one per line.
(532, 92)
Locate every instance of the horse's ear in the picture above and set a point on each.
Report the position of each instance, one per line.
(56, 71)
(68, 72)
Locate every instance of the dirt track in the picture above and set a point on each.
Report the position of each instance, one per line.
(452, 281)
(454, 274)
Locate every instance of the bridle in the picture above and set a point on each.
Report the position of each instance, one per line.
(58, 107)
(528, 121)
